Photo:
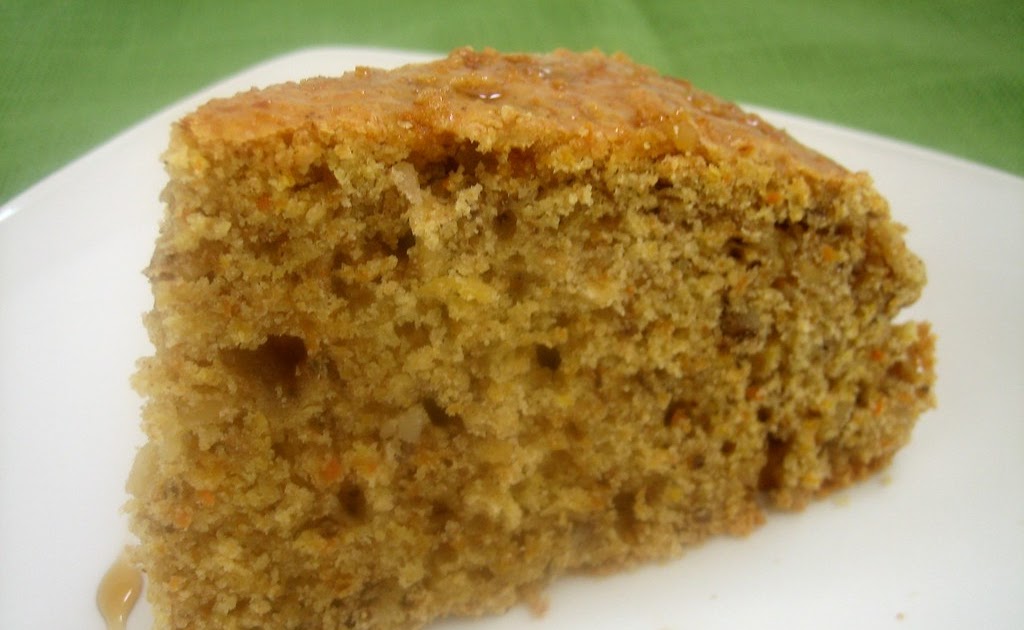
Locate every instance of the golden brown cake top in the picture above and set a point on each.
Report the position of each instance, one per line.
(564, 105)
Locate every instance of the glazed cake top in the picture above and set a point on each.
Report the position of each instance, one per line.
(565, 106)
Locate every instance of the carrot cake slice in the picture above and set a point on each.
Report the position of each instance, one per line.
(427, 338)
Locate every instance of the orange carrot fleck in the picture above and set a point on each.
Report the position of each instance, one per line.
(879, 407)
(878, 355)
(367, 465)
(182, 517)
(829, 254)
(331, 470)
(206, 498)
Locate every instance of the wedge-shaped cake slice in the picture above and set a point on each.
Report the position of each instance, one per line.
(428, 338)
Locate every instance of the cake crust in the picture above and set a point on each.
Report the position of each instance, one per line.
(563, 106)
(428, 338)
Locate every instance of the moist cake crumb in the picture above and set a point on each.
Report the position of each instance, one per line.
(427, 338)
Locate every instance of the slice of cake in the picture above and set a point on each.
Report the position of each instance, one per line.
(428, 338)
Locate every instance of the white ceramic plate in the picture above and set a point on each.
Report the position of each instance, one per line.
(937, 541)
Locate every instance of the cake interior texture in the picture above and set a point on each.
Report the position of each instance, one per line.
(427, 338)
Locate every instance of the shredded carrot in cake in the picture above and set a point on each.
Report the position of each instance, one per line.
(427, 339)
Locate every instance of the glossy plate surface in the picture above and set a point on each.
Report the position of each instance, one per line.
(937, 541)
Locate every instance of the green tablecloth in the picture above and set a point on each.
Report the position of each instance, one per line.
(947, 74)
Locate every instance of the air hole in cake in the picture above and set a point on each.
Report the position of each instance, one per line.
(697, 462)
(610, 222)
(440, 514)
(442, 555)
(433, 174)
(205, 263)
(353, 501)
(405, 242)
(522, 163)
(356, 295)
(764, 414)
(904, 371)
(736, 249)
(468, 157)
(862, 396)
(340, 258)
(434, 169)
(441, 418)
(771, 475)
(283, 450)
(683, 414)
(415, 336)
(655, 490)
(505, 224)
(558, 464)
(784, 282)
(626, 523)
(739, 324)
(728, 447)
(742, 252)
(669, 418)
(548, 357)
(321, 424)
(518, 285)
(330, 369)
(793, 228)
(380, 245)
(317, 174)
(275, 364)
(273, 247)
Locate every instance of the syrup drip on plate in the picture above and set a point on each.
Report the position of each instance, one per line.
(119, 590)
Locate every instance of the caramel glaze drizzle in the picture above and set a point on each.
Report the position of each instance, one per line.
(119, 590)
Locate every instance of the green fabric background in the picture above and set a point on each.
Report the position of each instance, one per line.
(947, 74)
